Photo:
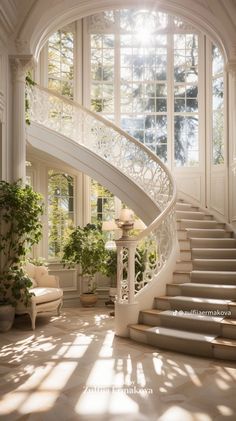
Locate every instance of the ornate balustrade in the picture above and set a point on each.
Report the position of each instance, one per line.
(133, 159)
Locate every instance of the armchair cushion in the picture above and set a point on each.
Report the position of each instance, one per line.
(47, 280)
(44, 295)
(39, 272)
(29, 268)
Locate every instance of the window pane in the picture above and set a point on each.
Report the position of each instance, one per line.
(186, 141)
(61, 61)
(61, 215)
(217, 107)
(102, 203)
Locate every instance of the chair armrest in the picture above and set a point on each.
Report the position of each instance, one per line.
(50, 281)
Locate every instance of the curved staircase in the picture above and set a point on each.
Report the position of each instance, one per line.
(198, 313)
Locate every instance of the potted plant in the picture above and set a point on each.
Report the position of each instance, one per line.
(86, 248)
(20, 228)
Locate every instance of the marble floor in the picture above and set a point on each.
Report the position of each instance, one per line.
(73, 367)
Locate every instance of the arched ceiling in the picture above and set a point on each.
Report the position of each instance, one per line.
(26, 24)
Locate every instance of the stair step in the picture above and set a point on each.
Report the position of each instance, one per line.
(213, 242)
(200, 344)
(186, 207)
(214, 253)
(190, 321)
(180, 276)
(213, 277)
(196, 303)
(185, 255)
(209, 233)
(183, 214)
(184, 244)
(214, 264)
(174, 339)
(205, 224)
(203, 290)
(184, 265)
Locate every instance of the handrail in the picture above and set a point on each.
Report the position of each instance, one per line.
(123, 151)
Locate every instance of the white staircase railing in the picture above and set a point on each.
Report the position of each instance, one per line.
(136, 161)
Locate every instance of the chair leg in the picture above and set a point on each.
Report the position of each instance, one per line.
(59, 309)
(33, 315)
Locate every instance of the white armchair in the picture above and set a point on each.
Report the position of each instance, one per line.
(48, 296)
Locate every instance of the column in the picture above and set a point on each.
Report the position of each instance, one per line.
(19, 66)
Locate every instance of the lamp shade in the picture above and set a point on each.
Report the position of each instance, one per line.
(126, 215)
(109, 226)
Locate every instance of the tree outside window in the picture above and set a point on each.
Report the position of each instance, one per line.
(61, 216)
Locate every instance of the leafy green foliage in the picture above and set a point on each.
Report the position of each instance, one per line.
(86, 247)
(29, 84)
(60, 211)
(20, 229)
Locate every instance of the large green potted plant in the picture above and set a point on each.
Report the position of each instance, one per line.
(20, 228)
(86, 248)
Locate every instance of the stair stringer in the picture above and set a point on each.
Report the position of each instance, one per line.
(83, 159)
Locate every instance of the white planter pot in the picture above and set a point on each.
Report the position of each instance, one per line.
(7, 315)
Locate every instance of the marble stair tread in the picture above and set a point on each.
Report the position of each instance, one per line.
(187, 315)
(224, 342)
(206, 253)
(175, 333)
(194, 299)
(192, 214)
(214, 276)
(198, 286)
(207, 232)
(214, 264)
(197, 242)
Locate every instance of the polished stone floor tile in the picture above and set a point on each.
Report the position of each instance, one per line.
(73, 367)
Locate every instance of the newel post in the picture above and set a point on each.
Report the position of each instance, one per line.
(126, 309)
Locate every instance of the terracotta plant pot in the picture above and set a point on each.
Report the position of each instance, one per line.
(88, 300)
(7, 315)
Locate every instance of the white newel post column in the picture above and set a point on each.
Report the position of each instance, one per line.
(19, 66)
(231, 69)
(126, 311)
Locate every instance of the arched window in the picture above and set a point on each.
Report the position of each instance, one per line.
(154, 75)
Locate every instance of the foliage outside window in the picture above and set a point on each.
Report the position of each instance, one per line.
(138, 59)
(61, 61)
(102, 203)
(217, 106)
(61, 214)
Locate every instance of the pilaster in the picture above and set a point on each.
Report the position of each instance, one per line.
(19, 66)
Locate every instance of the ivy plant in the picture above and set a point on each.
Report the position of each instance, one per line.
(20, 229)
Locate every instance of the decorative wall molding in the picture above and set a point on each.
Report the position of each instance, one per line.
(218, 200)
(8, 16)
(20, 64)
(190, 185)
(22, 45)
(68, 277)
(230, 67)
